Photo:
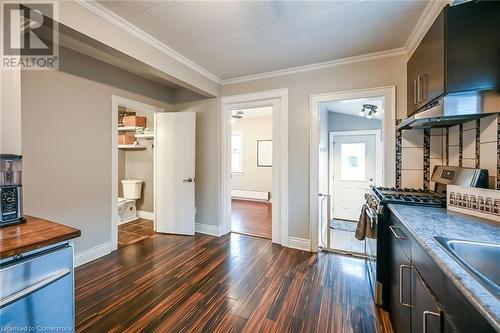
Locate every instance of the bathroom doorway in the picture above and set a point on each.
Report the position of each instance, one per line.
(135, 178)
(154, 188)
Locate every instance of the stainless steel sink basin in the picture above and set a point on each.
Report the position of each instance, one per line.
(482, 260)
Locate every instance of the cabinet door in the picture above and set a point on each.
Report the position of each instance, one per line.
(426, 68)
(400, 288)
(425, 314)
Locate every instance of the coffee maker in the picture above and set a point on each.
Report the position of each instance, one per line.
(11, 210)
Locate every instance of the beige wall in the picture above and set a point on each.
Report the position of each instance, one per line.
(368, 74)
(66, 142)
(207, 159)
(253, 178)
(10, 112)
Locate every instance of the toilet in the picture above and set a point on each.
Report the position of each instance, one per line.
(127, 212)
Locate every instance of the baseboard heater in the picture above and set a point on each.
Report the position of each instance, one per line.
(251, 195)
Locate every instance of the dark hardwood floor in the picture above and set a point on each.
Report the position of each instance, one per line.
(135, 231)
(251, 218)
(234, 283)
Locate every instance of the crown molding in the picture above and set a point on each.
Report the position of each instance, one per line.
(122, 23)
(319, 65)
(429, 15)
(431, 11)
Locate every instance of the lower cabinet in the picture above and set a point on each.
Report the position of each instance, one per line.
(400, 287)
(425, 314)
(413, 307)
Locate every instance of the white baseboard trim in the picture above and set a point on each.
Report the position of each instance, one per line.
(92, 254)
(299, 243)
(250, 195)
(207, 229)
(146, 215)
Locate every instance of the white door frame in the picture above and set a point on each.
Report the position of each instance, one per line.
(115, 102)
(277, 98)
(388, 135)
(379, 151)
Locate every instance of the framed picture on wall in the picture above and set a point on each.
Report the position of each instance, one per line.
(264, 153)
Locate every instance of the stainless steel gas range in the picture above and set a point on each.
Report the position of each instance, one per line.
(376, 209)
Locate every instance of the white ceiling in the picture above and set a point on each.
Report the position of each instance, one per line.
(237, 38)
(353, 106)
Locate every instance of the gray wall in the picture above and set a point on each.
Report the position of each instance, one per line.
(66, 142)
(253, 178)
(345, 122)
(369, 74)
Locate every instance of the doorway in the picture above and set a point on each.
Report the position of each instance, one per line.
(252, 171)
(152, 171)
(352, 149)
(268, 155)
(353, 157)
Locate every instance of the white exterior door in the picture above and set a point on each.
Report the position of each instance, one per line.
(353, 161)
(175, 146)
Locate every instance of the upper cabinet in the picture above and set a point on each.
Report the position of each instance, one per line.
(425, 68)
(460, 52)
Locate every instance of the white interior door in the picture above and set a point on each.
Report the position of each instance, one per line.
(353, 172)
(175, 146)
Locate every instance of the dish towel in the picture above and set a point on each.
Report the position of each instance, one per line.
(364, 227)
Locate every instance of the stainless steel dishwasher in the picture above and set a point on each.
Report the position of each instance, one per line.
(36, 291)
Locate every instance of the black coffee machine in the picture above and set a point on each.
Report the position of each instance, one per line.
(11, 194)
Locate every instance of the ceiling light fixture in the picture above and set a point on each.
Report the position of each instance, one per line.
(372, 110)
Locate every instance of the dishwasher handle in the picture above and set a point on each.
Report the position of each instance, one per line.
(33, 288)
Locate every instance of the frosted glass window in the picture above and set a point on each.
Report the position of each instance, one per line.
(236, 152)
(353, 161)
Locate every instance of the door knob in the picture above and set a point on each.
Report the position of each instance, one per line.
(187, 180)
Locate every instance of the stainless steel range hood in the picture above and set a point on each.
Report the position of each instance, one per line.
(454, 109)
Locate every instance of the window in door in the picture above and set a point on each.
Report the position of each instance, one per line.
(237, 152)
(353, 161)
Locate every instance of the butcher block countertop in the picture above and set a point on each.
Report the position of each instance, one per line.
(34, 234)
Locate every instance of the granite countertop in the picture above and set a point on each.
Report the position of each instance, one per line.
(424, 223)
(34, 234)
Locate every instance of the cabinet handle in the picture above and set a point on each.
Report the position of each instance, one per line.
(392, 228)
(424, 319)
(34, 287)
(401, 267)
(415, 91)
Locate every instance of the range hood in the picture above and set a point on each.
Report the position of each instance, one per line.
(453, 109)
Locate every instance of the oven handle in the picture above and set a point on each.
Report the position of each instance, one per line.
(372, 214)
(33, 288)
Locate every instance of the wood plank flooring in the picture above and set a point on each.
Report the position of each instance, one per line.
(135, 231)
(251, 218)
(234, 283)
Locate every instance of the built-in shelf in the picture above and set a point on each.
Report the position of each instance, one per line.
(145, 136)
(127, 128)
(132, 147)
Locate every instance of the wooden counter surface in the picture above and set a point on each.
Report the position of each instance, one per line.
(32, 235)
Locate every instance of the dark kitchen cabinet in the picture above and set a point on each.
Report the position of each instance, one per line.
(425, 314)
(425, 69)
(459, 52)
(419, 291)
(400, 286)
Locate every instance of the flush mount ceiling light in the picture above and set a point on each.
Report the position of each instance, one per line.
(368, 110)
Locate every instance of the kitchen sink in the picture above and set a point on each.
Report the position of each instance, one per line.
(480, 259)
